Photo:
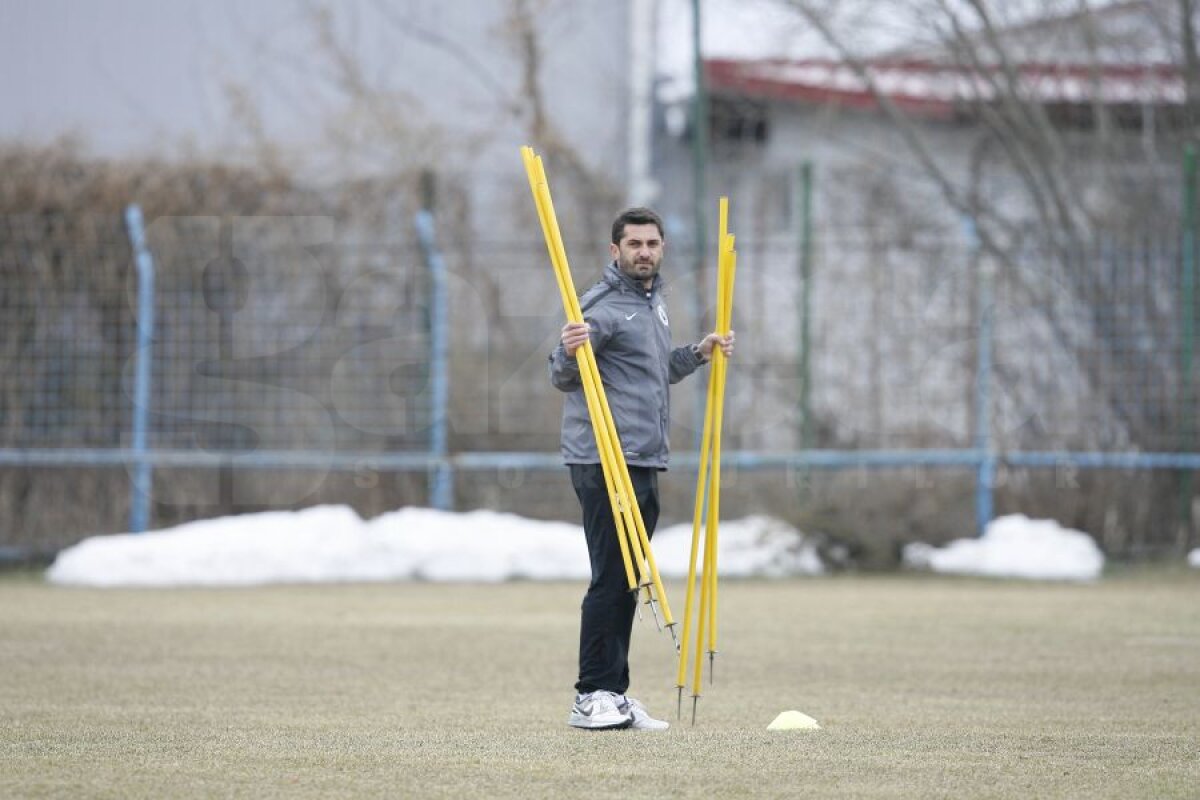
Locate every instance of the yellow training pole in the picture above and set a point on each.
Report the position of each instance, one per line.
(567, 291)
(710, 440)
(724, 248)
(614, 464)
(604, 446)
(606, 443)
(724, 253)
(698, 509)
(639, 544)
(701, 617)
(625, 500)
(721, 364)
(697, 518)
(714, 482)
(708, 575)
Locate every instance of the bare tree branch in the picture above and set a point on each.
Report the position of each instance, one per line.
(1021, 141)
(1191, 60)
(409, 26)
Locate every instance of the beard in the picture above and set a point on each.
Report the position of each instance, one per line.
(640, 270)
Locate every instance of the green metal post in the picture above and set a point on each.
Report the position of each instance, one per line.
(803, 206)
(805, 210)
(699, 190)
(1187, 361)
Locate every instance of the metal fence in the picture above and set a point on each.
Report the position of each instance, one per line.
(242, 346)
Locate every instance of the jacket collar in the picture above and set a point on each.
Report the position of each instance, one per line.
(619, 280)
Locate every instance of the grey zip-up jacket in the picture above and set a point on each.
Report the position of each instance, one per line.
(631, 338)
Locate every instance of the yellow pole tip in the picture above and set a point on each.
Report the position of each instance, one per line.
(793, 721)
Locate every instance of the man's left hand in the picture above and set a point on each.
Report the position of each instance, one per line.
(716, 340)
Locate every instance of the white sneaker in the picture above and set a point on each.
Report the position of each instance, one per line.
(598, 711)
(642, 720)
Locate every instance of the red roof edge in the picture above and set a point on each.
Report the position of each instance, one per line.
(754, 78)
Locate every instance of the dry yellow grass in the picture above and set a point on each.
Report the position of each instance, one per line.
(925, 688)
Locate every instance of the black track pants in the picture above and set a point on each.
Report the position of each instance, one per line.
(608, 607)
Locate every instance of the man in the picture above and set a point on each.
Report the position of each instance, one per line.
(626, 321)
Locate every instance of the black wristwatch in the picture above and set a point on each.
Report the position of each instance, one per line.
(696, 351)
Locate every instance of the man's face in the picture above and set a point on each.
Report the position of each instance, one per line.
(639, 252)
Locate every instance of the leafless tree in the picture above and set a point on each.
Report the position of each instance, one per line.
(1076, 179)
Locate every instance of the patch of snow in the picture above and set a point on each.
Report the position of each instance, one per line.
(1015, 547)
(754, 546)
(332, 544)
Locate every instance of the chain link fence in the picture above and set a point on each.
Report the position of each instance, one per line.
(291, 364)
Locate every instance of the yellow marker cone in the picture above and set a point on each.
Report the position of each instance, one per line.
(793, 721)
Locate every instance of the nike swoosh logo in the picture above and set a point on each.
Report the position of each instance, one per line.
(631, 316)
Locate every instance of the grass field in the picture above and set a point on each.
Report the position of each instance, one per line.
(925, 687)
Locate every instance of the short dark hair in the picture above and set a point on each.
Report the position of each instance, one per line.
(635, 216)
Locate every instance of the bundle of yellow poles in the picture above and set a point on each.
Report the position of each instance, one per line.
(640, 567)
(706, 516)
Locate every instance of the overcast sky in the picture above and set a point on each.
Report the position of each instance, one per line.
(129, 74)
(148, 75)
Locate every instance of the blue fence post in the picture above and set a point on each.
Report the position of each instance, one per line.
(985, 477)
(441, 482)
(143, 476)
